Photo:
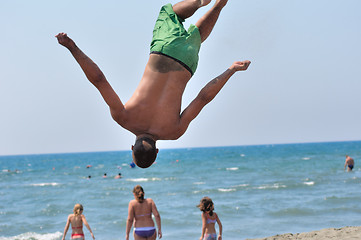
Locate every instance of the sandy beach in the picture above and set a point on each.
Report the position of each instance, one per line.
(345, 233)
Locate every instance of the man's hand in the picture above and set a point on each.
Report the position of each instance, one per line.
(240, 65)
(64, 40)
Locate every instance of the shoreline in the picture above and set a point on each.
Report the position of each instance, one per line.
(344, 233)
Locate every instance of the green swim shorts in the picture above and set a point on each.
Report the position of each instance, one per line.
(171, 39)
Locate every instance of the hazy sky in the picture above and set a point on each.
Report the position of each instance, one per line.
(304, 83)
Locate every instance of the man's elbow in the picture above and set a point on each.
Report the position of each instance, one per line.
(177, 133)
(205, 97)
(98, 79)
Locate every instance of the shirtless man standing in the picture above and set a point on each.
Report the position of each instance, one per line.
(350, 163)
(154, 111)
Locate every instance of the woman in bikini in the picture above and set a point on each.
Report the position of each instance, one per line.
(140, 212)
(209, 219)
(77, 219)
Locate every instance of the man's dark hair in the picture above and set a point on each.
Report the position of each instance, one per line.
(144, 152)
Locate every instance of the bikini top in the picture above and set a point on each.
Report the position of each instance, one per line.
(142, 215)
(76, 227)
(209, 220)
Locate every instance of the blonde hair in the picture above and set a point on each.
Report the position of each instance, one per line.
(78, 208)
(139, 193)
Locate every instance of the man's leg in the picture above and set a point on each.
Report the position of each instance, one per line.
(206, 23)
(187, 8)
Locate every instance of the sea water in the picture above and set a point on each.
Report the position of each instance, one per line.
(258, 191)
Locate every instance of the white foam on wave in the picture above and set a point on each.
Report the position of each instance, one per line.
(274, 186)
(227, 189)
(143, 179)
(35, 236)
(199, 183)
(232, 169)
(306, 158)
(170, 178)
(44, 184)
(309, 183)
(242, 185)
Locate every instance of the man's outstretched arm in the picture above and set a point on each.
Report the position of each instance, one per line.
(94, 75)
(208, 93)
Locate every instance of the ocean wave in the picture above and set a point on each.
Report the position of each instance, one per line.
(242, 185)
(274, 186)
(34, 236)
(232, 169)
(142, 179)
(199, 183)
(309, 183)
(227, 189)
(170, 178)
(44, 184)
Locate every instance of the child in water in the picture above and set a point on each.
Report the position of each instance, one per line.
(209, 219)
(76, 220)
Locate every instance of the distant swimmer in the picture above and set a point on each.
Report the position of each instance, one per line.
(350, 163)
(209, 220)
(118, 176)
(154, 111)
(77, 219)
(140, 213)
(132, 165)
(105, 175)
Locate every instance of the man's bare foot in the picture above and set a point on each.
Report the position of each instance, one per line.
(64, 40)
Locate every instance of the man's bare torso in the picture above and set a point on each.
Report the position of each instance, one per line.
(155, 105)
(350, 161)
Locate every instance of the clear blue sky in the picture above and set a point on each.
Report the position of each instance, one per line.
(304, 84)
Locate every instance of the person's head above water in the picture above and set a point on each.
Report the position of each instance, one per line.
(144, 151)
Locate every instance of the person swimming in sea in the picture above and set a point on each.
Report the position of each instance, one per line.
(209, 220)
(118, 176)
(77, 219)
(140, 212)
(350, 163)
